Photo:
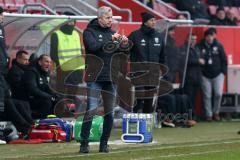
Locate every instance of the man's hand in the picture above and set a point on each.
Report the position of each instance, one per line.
(116, 37)
(201, 61)
(124, 39)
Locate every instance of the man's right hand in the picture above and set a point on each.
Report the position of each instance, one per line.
(116, 37)
(201, 61)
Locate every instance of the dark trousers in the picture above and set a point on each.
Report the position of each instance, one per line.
(2, 93)
(167, 104)
(191, 90)
(108, 92)
(145, 104)
(19, 113)
(41, 107)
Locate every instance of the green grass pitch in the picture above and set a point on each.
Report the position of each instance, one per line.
(205, 141)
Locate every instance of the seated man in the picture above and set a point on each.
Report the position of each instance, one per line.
(14, 76)
(36, 85)
(16, 111)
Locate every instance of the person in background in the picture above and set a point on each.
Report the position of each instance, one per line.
(181, 17)
(231, 19)
(14, 76)
(219, 18)
(3, 60)
(35, 82)
(173, 56)
(148, 47)
(213, 72)
(193, 72)
(66, 53)
(196, 8)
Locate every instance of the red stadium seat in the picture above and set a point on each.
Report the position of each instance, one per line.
(10, 5)
(212, 9)
(2, 3)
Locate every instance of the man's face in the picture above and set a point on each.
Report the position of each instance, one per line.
(106, 20)
(193, 40)
(230, 15)
(209, 39)
(1, 18)
(45, 63)
(221, 14)
(171, 33)
(71, 23)
(151, 23)
(24, 59)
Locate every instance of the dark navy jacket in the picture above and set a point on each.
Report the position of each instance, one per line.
(215, 54)
(94, 37)
(148, 47)
(14, 78)
(35, 81)
(3, 53)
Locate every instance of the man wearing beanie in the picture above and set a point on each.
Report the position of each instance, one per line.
(148, 47)
(212, 73)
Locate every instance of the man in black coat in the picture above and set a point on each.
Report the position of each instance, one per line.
(35, 81)
(16, 111)
(193, 72)
(212, 73)
(3, 60)
(220, 18)
(97, 33)
(148, 47)
(14, 76)
(174, 59)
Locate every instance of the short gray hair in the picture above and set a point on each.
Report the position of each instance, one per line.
(103, 10)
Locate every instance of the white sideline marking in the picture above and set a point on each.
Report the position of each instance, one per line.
(116, 152)
(167, 147)
(181, 155)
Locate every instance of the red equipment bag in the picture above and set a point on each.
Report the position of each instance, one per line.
(48, 133)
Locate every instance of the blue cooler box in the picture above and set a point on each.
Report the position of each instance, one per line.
(137, 128)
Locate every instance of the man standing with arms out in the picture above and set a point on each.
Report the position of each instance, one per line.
(148, 47)
(213, 73)
(97, 33)
(3, 61)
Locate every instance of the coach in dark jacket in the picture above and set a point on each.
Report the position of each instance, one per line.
(193, 71)
(97, 33)
(148, 47)
(94, 37)
(36, 84)
(148, 43)
(14, 76)
(213, 73)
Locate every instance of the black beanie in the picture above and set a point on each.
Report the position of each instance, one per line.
(209, 31)
(146, 16)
